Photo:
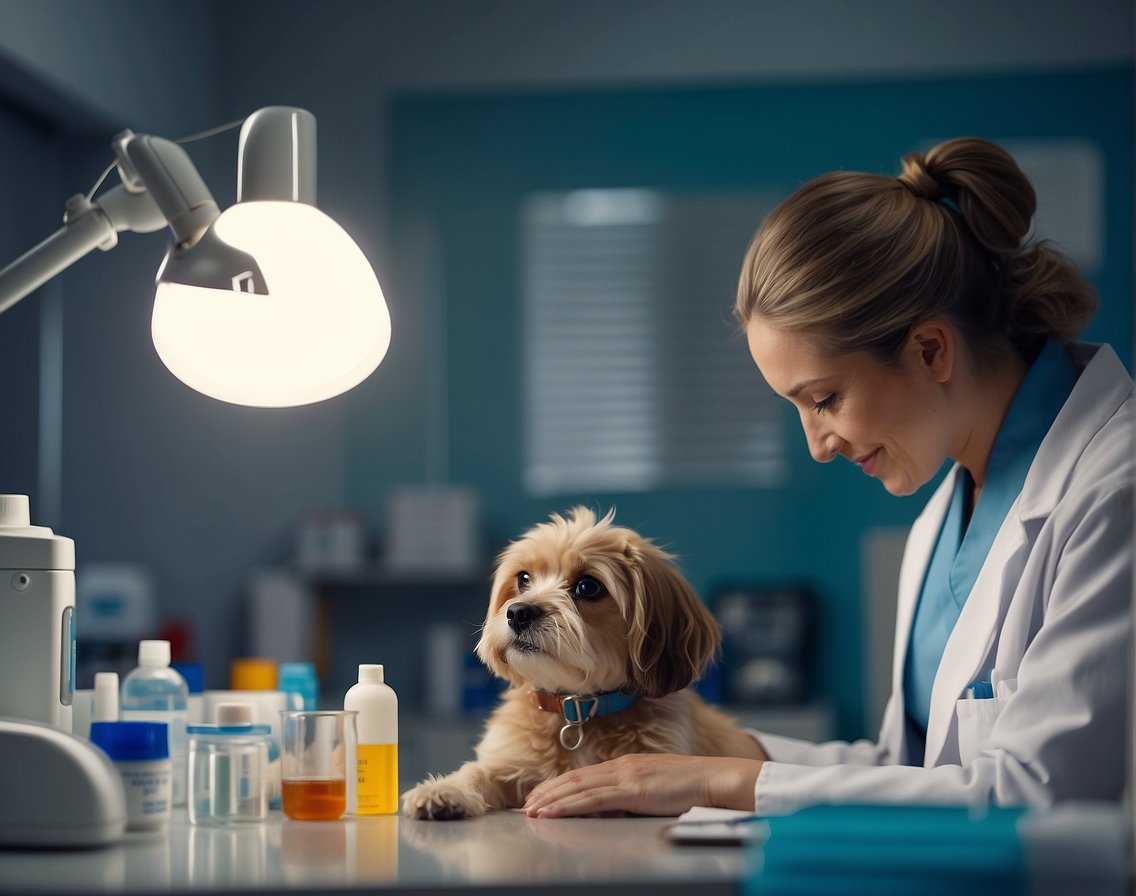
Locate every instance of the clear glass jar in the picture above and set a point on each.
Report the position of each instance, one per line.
(228, 768)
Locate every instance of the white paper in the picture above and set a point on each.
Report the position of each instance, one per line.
(707, 825)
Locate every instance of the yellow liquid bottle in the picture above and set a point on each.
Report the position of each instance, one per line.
(377, 728)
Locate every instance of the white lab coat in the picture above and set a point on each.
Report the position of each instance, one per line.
(1050, 613)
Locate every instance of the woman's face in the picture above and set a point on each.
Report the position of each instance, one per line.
(892, 421)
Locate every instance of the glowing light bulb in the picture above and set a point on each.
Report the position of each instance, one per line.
(321, 330)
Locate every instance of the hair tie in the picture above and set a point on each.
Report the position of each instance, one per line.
(918, 180)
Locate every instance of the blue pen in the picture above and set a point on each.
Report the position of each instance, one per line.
(980, 690)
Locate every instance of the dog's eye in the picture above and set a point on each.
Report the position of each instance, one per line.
(588, 588)
(524, 581)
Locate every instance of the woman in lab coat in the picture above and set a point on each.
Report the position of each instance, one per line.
(910, 320)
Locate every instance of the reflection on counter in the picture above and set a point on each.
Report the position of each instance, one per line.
(511, 847)
(234, 857)
(383, 851)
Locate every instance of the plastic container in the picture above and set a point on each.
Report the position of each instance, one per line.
(228, 768)
(377, 728)
(300, 678)
(140, 753)
(153, 692)
(253, 673)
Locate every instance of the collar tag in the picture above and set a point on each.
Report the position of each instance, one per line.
(577, 710)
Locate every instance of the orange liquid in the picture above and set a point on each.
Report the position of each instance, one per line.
(314, 799)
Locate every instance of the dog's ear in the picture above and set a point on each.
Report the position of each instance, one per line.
(672, 636)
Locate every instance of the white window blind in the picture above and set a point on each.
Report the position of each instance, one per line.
(636, 376)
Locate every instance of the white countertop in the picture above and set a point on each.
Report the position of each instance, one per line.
(386, 853)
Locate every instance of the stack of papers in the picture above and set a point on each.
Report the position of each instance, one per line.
(717, 827)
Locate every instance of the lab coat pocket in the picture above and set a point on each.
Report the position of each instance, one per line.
(975, 723)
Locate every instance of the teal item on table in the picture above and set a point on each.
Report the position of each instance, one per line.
(893, 849)
(300, 678)
(962, 548)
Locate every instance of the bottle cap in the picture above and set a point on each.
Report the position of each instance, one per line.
(229, 714)
(16, 517)
(371, 673)
(132, 741)
(153, 653)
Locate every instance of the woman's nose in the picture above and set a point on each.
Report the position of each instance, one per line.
(824, 445)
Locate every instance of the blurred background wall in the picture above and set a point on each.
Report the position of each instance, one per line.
(438, 121)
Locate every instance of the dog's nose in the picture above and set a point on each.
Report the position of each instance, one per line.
(521, 615)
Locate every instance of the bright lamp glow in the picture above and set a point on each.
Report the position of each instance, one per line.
(322, 329)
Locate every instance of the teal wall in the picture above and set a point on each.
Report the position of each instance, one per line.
(459, 167)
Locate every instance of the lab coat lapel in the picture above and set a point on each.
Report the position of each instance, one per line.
(916, 557)
(972, 640)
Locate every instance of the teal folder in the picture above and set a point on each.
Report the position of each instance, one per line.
(883, 850)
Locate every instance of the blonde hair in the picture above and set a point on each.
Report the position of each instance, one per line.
(857, 259)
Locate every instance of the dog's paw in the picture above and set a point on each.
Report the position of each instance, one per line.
(441, 800)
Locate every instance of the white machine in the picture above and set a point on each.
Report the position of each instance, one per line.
(37, 618)
(58, 789)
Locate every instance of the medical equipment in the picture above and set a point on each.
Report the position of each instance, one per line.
(37, 621)
(58, 790)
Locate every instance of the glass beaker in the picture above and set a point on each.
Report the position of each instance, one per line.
(318, 747)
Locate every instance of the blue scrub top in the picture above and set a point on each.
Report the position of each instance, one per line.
(961, 548)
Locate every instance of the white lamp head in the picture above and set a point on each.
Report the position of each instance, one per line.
(322, 328)
(274, 304)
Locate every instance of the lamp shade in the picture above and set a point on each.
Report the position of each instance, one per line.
(322, 328)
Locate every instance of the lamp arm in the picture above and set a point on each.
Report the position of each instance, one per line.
(166, 172)
(59, 251)
(160, 186)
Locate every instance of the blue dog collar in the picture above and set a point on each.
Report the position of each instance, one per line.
(576, 709)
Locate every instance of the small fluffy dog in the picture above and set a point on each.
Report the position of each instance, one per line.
(598, 635)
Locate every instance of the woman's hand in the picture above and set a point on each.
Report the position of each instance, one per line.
(647, 784)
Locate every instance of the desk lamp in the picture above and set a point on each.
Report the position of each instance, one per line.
(269, 303)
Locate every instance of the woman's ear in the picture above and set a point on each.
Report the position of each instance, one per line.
(932, 345)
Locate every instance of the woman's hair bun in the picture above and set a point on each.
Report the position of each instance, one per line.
(995, 197)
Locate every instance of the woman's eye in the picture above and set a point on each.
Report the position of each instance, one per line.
(524, 581)
(824, 404)
(588, 588)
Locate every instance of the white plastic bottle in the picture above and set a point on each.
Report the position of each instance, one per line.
(153, 692)
(106, 697)
(377, 728)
